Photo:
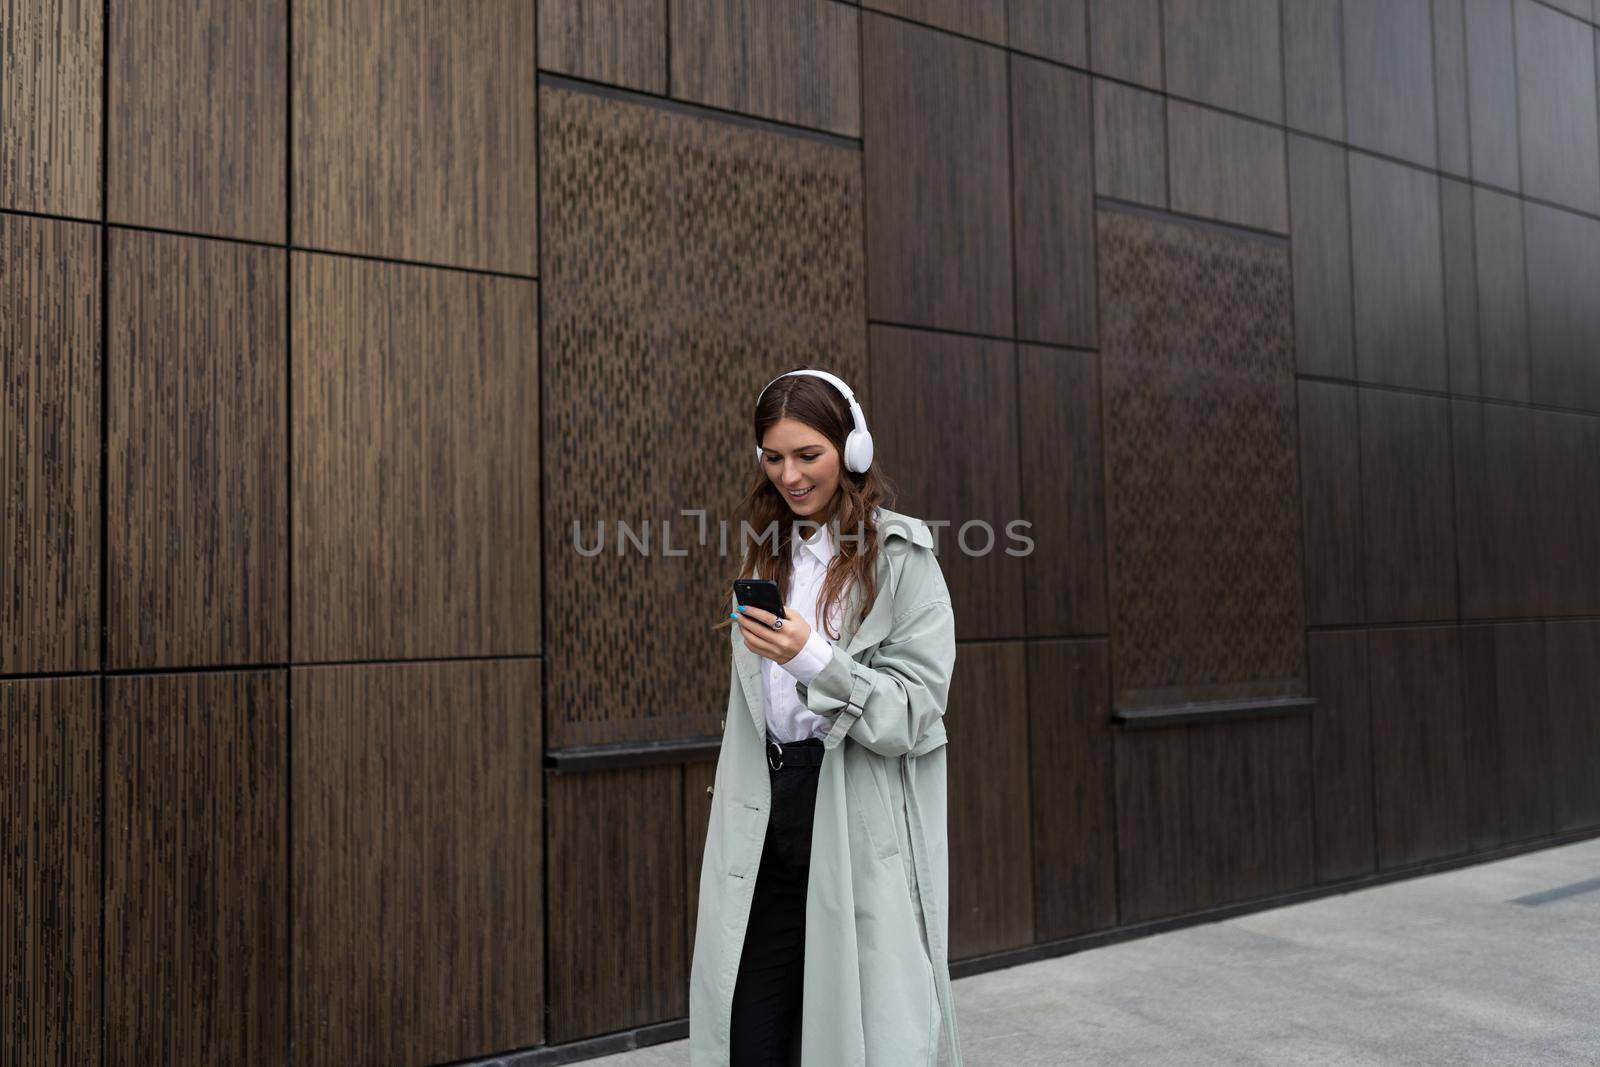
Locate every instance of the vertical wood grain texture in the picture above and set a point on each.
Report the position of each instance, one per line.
(1226, 168)
(197, 902)
(1492, 93)
(1125, 40)
(1319, 220)
(1063, 491)
(991, 845)
(1154, 841)
(1130, 144)
(416, 460)
(1522, 699)
(1054, 29)
(1450, 86)
(50, 900)
(620, 42)
(1563, 307)
(1052, 142)
(1480, 736)
(1497, 522)
(795, 61)
(198, 443)
(1502, 295)
(1250, 795)
(1419, 758)
(1407, 506)
(617, 955)
(418, 900)
(1568, 512)
(1330, 492)
(1225, 53)
(688, 261)
(1313, 67)
(1072, 796)
(1464, 365)
(197, 116)
(933, 390)
(1399, 281)
(1341, 754)
(938, 191)
(1556, 108)
(50, 445)
(52, 58)
(1388, 78)
(414, 130)
(1573, 654)
(984, 19)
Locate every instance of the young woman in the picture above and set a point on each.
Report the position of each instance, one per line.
(823, 919)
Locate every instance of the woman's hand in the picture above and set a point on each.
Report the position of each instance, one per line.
(780, 646)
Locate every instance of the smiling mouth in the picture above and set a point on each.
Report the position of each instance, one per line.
(800, 496)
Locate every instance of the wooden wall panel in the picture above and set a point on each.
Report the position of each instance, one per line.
(1073, 793)
(1226, 168)
(1125, 40)
(1502, 295)
(197, 901)
(50, 874)
(1480, 729)
(1054, 29)
(52, 55)
(1324, 329)
(1399, 280)
(197, 498)
(1130, 144)
(1450, 75)
(1556, 108)
(1154, 842)
(414, 130)
(936, 105)
(1492, 93)
(1225, 53)
(617, 954)
(991, 844)
(1052, 152)
(416, 462)
(1330, 491)
(1250, 812)
(1388, 78)
(794, 61)
(1063, 491)
(197, 116)
(50, 445)
(1341, 754)
(1313, 67)
(1460, 275)
(677, 284)
(933, 389)
(1573, 651)
(1408, 507)
(1523, 742)
(1563, 307)
(1568, 512)
(621, 42)
(1419, 759)
(984, 19)
(1496, 470)
(418, 900)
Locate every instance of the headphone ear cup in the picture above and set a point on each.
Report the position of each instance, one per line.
(858, 451)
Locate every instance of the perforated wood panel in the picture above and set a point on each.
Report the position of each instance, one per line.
(1203, 512)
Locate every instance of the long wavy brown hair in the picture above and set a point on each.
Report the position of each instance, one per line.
(820, 406)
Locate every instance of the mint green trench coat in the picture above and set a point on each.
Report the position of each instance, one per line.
(877, 975)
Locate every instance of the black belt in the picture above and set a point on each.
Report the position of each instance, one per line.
(803, 753)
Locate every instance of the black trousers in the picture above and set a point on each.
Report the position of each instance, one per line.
(766, 996)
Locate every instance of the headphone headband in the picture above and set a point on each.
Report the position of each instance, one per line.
(858, 445)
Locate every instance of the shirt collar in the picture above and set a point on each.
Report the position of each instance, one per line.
(821, 545)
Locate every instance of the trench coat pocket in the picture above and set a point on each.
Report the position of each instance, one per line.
(867, 785)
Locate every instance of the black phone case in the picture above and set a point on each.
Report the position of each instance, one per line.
(759, 593)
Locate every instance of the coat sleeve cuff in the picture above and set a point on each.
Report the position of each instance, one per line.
(809, 661)
(837, 692)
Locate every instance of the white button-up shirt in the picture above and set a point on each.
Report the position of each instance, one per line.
(787, 718)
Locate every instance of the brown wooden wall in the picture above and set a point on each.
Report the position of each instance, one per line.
(324, 321)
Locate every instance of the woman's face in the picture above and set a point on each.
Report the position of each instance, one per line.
(800, 460)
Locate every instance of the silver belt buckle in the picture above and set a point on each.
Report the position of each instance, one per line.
(773, 746)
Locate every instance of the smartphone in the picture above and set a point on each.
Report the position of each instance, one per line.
(758, 593)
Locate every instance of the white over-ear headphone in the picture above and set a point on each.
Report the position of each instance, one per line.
(857, 446)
